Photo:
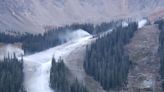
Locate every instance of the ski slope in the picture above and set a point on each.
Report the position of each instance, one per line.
(37, 66)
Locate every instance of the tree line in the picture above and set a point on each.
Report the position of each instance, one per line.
(32, 43)
(11, 75)
(161, 48)
(105, 59)
(60, 79)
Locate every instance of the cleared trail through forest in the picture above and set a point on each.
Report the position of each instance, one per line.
(143, 52)
(37, 66)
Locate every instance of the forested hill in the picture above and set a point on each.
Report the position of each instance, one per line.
(11, 75)
(32, 43)
(123, 56)
(106, 60)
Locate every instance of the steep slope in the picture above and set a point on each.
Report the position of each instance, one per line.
(75, 64)
(35, 15)
(143, 49)
(37, 66)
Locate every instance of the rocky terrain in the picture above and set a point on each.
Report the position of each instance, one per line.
(143, 51)
(38, 15)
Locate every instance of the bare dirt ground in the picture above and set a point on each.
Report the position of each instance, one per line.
(143, 52)
(158, 13)
(75, 64)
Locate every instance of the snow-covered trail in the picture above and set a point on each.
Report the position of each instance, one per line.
(37, 66)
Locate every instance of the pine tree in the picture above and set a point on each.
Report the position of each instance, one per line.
(59, 78)
(105, 59)
(161, 48)
(11, 75)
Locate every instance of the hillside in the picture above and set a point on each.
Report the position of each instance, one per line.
(37, 15)
(143, 52)
(139, 53)
(81, 45)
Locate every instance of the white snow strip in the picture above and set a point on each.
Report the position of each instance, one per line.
(105, 33)
(148, 83)
(124, 24)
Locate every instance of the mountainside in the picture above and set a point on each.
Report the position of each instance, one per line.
(143, 52)
(36, 15)
(82, 45)
(121, 59)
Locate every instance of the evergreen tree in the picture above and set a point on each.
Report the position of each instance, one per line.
(77, 87)
(59, 78)
(161, 48)
(105, 59)
(34, 43)
(11, 75)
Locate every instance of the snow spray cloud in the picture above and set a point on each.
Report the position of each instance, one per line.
(69, 35)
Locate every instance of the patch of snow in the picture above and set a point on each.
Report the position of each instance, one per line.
(124, 24)
(105, 33)
(142, 23)
(148, 83)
